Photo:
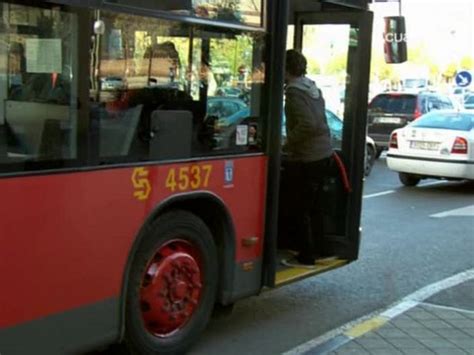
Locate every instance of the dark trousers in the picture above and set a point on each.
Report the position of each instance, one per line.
(310, 219)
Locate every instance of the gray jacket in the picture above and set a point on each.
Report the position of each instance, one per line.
(308, 135)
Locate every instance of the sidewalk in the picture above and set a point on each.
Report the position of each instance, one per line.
(440, 324)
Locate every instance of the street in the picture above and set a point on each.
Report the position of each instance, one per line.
(408, 242)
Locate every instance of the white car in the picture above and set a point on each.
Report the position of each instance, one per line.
(438, 145)
(469, 103)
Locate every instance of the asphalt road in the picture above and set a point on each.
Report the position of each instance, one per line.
(404, 248)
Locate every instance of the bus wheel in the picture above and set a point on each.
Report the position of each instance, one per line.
(172, 285)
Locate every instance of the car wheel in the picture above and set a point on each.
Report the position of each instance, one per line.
(369, 159)
(408, 179)
(378, 153)
(172, 285)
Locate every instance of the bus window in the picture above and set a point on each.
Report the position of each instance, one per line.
(143, 68)
(38, 84)
(248, 12)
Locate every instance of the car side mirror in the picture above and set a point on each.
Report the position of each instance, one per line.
(395, 40)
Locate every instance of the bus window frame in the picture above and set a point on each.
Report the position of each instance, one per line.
(187, 19)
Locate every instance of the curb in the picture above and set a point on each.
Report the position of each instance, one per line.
(355, 329)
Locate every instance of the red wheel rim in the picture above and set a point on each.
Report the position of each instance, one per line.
(171, 288)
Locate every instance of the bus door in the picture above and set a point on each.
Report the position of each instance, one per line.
(337, 48)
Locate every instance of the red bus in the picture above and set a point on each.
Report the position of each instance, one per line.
(141, 172)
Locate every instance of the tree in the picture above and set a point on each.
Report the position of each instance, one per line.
(467, 63)
(450, 71)
(314, 68)
(381, 71)
(337, 64)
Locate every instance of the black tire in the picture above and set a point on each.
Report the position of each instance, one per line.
(369, 160)
(408, 179)
(170, 228)
(378, 153)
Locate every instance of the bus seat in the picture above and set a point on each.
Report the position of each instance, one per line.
(173, 132)
(27, 121)
(116, 134)
(51, 140)
(3, 143)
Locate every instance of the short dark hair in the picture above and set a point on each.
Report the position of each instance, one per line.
(295, 63)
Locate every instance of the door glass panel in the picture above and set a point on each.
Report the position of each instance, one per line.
(326, 48)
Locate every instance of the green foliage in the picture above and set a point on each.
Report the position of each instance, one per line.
(467, 63)
(337, 65)
(381, 70)
(314, 68)
(232, 52)
(450, 71)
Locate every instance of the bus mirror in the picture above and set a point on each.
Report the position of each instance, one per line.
(395, 40)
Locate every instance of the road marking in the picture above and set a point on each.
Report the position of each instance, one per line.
(383, 193)
(388, 192)
(365, 327)
(376, 319)
(456, 309)
(458, 212)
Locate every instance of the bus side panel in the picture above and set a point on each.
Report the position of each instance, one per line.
(71, 332)
(66, 237)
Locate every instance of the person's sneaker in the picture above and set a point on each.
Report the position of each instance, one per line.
(293, 262)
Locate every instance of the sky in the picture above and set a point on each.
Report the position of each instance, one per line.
(444, 28)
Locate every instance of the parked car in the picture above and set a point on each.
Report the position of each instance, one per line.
(389, 111)
(335, 124)
(112, 83)
(460, 94)
(224, 107)
(469, 102)
(438, 145)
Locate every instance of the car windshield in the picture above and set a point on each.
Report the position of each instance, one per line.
(393, 103)
(414, 83)
(446, 120)
(470, 100)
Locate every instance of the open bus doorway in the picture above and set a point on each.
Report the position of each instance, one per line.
(335, 46)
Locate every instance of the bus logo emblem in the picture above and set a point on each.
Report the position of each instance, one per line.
(229, 173)
(141, 184)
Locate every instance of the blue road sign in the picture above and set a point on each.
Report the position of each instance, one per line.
(463, 79)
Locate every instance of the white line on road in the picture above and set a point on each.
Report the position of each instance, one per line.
(459, 212)
(388, 192)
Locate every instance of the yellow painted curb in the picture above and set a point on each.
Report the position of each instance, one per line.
(366, 327)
